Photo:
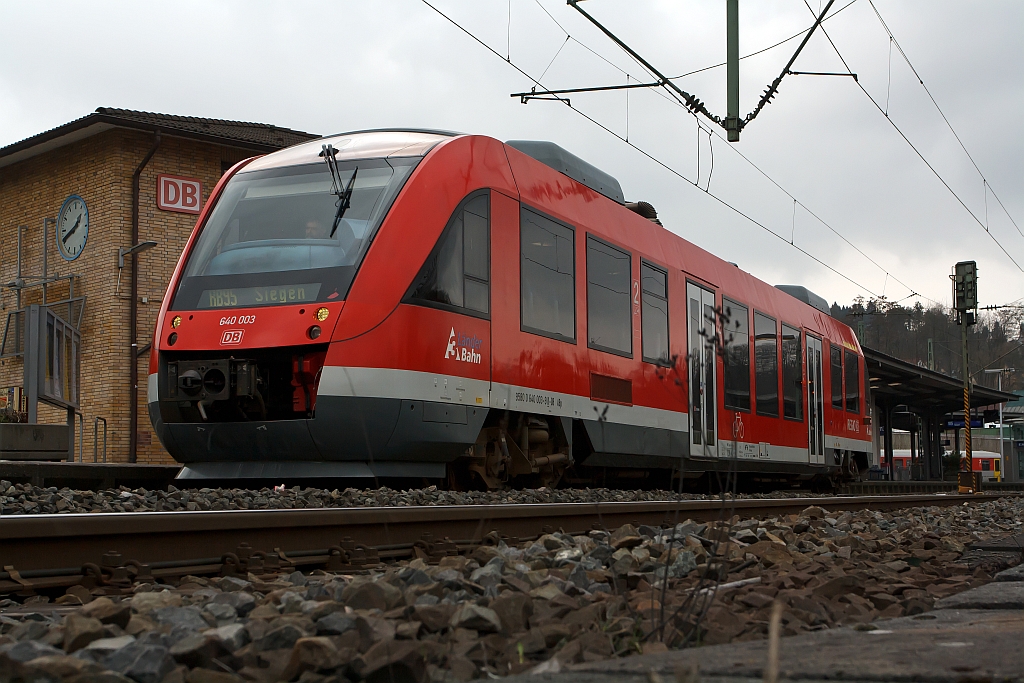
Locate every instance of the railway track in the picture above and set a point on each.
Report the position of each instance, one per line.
(49, 552)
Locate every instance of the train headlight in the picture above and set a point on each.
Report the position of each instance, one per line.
(176, 321)
(322, 313)
(314, 332)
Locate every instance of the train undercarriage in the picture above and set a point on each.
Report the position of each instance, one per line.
(264, 408)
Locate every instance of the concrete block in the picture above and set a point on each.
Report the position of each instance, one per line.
(1011, 574)
(996, 595)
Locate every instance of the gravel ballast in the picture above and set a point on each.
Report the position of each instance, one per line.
(547, 603)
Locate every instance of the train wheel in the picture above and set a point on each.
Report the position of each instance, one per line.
(486, 462)
(550, 476)
(853, 470)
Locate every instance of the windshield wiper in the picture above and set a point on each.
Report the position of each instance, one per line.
(344, 195)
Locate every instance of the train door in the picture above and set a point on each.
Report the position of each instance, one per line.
(701, 351)
(815, 403)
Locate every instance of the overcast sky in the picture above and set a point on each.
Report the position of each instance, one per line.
(333, 66)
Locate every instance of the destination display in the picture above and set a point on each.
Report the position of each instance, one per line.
(258, 296)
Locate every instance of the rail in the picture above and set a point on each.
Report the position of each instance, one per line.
(56, 550)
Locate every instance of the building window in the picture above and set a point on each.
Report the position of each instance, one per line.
(736, 334)
(837, 376)
(852, 382)
(766, 365)
(792, 377)
(547, 276)
(654, 314)
(225, 166)
(456, 274)
(608, 315)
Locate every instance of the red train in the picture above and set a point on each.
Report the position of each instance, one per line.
(986, 462)
(425, 304)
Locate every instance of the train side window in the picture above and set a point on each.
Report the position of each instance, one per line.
(766, 365)
(995, 464)
(792, 374)
(609, 272)
(736, 334)
(456, 275)
(654, 314)
(986, 465)
(547, 276)
(852, 382)
(837, 376)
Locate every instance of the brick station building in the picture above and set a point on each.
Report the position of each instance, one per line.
(96, 158)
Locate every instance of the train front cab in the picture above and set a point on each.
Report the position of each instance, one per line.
(265, 294)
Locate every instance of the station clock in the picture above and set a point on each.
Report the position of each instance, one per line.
(72, 227)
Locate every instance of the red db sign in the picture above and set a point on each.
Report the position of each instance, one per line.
(231, 337)
(174, 193)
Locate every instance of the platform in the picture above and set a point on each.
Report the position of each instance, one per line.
(870, 488)
(972, 636)
(87, 475)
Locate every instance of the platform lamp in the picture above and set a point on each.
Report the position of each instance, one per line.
(130, 251)
(138, 248)
(1002, 456)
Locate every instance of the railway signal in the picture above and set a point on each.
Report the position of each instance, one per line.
(965, 302)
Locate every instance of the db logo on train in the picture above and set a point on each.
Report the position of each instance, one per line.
(231, 337)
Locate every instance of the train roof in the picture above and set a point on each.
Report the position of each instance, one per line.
(563, 161)
(413, 142)
(356, 145)
(807, 296)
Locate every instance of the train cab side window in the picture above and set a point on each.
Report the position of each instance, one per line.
(852, 382)
(766, 365)
(547, 275)
(736, 335)
(654, 314)
(609, 272)
(837, 376)
(792, 374)
(456, 275)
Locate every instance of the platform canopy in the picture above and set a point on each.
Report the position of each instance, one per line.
(898, 382)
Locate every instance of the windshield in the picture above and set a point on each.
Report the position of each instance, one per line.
(268, 240)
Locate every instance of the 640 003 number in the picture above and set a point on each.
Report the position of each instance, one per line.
(238, 320)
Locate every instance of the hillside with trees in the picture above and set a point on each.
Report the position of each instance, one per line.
(996, 341)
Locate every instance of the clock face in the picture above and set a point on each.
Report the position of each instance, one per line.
(72, 227)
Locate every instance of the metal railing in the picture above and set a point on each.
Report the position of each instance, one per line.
(95, 437)
(81, 440)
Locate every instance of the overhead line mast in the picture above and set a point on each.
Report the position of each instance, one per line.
(732, 69)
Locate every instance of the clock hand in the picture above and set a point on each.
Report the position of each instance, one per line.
(64, 239)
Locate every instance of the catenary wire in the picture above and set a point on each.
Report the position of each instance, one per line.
(688, 73)
(920, 80)
(764, 49)
(918, 152)
(651, 156)
(667, 96)
(912, 290)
